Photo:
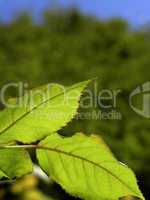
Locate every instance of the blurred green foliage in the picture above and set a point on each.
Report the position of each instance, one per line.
(69, 47)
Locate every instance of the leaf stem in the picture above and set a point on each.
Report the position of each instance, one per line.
(19, 146)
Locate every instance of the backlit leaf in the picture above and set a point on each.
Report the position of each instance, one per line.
(85, 167)
(40, 112)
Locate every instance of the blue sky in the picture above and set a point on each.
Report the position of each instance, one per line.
(137, 12)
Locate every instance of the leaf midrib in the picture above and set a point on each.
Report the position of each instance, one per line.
(5, 173)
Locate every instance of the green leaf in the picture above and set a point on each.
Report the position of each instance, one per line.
(41, 112)
(85, 168)
(14, 163)
(2, 174)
